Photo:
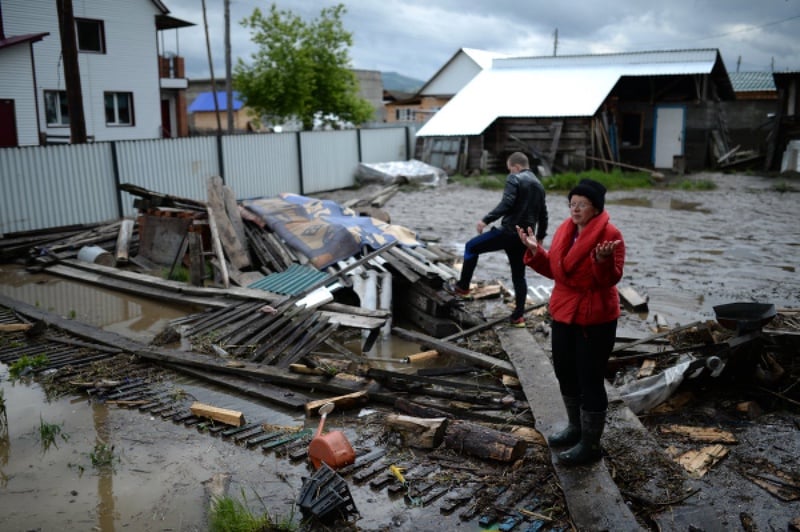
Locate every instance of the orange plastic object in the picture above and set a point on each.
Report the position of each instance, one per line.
(331, 448)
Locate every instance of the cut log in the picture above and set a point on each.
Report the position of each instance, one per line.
(484, 442)
(421, 433)
(342, 402)
(227, 233)
(418, 410)
(223, 415)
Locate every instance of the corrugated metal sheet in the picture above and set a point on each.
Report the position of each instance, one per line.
(51, 186)
(383, 145)
(179, 167)
(329, 158)
(56, 185)
(294, 280)
(752, 81)
(261, 165)
(547, 87)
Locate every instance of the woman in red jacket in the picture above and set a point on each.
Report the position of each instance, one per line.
(585, 260)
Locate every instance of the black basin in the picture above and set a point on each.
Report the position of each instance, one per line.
(744, 317)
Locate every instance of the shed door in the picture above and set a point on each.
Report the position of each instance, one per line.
(669, 135)
(8, 124)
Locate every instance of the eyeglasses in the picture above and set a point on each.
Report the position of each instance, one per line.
(579, 206)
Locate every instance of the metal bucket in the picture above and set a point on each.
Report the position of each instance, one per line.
(96, 255)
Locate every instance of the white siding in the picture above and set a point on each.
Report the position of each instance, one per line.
(130, 63)
(16, 83)
(453, 78)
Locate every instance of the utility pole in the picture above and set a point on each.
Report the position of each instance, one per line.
(228, 87)
(72, 74)
(555, 42)
(211, 70)
(738, 64)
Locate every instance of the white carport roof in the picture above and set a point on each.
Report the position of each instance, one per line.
(569, 86)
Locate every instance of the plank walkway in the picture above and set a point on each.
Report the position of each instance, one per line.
(593, 499)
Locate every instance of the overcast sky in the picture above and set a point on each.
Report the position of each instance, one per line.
(417, 37)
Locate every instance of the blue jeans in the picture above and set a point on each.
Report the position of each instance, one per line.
(495, 240)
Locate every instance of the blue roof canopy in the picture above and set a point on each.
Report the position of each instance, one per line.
(205, 102)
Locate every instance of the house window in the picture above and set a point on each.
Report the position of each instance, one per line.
(119, 108)
(91, 37)
(404, 114)
(56, 110)
(631, 130)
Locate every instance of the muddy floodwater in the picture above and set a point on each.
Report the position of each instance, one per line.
(687, 251)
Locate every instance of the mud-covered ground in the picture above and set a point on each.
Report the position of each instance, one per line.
(687, 251)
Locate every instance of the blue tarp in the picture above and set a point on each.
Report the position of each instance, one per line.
(324, 231)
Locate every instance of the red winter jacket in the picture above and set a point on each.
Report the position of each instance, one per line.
(585, 290)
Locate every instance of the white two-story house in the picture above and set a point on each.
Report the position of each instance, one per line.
(129, 87)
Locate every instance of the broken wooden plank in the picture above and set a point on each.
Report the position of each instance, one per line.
(228, 237)
(223, 415)
(124, 241)
(15, 327)
(342, 402)
(447, 348)
(697, 462)
(216, 246)
(699, 434)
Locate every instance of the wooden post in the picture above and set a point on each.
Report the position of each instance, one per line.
(124, 240)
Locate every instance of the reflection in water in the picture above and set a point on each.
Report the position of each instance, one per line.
(125, 314)
(105, 478)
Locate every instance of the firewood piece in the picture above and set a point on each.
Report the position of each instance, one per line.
(484, 442)
(342, 402)
(421, 433)
(216, 245)
(699, 434)
(698, 462)
(647, 368)
(223, 415)
(632, 299)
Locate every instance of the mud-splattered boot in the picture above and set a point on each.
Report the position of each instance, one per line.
(588, 449)
(570, 435)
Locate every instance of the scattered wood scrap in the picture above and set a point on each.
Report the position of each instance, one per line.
(223, 415)
(699, 434)
(698, 462)
(421, 433)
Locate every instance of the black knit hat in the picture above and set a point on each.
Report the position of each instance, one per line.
(594, 191)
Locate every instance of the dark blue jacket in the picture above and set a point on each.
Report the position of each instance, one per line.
(522, 204)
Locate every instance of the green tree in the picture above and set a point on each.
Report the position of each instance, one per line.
(301, 69)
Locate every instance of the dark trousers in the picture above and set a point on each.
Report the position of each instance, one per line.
(495, 240)
(580, 356)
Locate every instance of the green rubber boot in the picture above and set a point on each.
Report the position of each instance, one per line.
(570, 435)
(588, 449)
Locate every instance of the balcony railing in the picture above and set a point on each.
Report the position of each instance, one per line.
(171, 67)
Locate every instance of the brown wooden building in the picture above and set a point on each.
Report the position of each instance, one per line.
(662, 109)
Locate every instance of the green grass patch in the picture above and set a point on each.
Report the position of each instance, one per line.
(614, 180)
(233, 515)
(49, 434)
(26, 364)
(102, 455)
(783, 186)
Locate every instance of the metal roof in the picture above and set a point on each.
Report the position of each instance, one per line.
(554, 86)
(752, 81)
(294, 280)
